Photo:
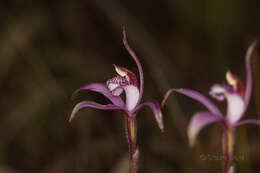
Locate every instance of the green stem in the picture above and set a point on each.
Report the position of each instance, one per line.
(131, 137)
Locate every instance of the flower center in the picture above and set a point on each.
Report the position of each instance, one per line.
(125, 81)
(116, 84)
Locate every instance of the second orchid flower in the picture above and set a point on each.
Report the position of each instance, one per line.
(237, 98)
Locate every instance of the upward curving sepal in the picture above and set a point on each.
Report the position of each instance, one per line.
(138, 63)
(249, 75)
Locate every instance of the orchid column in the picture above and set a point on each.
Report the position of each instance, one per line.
(124, 81)
(237, 101)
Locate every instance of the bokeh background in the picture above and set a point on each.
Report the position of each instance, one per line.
(49, 48)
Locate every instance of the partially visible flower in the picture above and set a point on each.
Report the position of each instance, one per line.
(237, 98)
(124, 81)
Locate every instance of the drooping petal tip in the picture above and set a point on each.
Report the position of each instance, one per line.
(102, 89)
(231, 169)
(199, 121)
(74, 111)
(160, 121)
(191, 137)
(91, 104)
(156, 111)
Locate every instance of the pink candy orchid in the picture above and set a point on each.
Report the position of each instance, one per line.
(237, 101)
(124, 81)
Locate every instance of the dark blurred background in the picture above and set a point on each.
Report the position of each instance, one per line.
(50, 48)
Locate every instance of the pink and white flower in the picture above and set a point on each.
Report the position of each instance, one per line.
(233, 92)
(125, 81)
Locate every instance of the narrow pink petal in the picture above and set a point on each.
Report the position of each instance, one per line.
(196, 96)
(137, 61)
(249, 77)
(244, 122)
(155, 106)
(92, 105)
(198, 121)
(103, 89)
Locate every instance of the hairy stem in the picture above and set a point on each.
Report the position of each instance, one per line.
(131, 137)
(228, 143)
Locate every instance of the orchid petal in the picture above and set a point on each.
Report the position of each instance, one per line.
(92, 105)
(137, 61)
(243, 122)
(198, 121)
(196, 96)
(236, 105)
(249, 77)
(132, 97)
(236, 108)
(156, 111)
(101, 88)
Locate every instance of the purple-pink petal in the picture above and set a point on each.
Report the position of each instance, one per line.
(137, 61)
(155, 106)
(91, 104)
(196, 96)
(249, 77)
(244, 122)
(103, 89)
(198, 121)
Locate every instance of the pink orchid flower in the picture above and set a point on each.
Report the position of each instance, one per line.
(237, 101)
(124, 81)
